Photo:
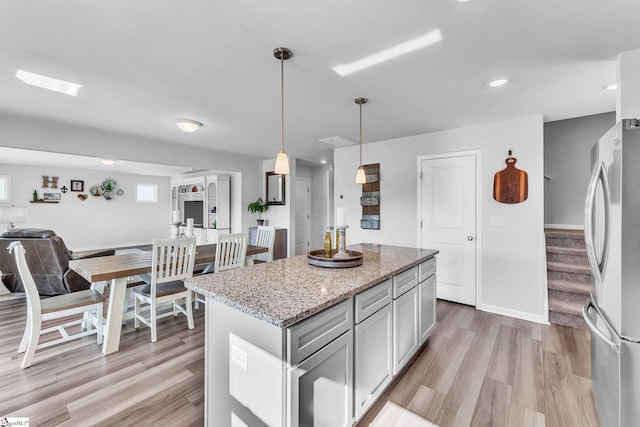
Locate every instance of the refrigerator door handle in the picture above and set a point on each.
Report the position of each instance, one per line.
(599, 175)
(585, 314)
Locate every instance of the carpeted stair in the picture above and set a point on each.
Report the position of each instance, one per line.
(568, 276)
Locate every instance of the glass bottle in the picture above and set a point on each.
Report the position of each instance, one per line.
(35, 195)
(327, 243)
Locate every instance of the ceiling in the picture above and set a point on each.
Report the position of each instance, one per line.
(144, 63)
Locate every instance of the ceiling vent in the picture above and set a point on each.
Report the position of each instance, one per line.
(338, 141)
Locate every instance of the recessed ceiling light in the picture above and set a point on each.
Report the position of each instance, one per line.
(48, 83)
(501, 81)
(187, 125)
(463, 1)
(393, 52)
(323, 161)
(107, 162)
(610, 86)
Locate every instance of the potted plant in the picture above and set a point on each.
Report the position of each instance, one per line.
(259, 207)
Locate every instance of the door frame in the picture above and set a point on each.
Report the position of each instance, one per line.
(308, 225)
(478, 155)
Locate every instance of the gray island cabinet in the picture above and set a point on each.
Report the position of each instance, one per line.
(290, 344)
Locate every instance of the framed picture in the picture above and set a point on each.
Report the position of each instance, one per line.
(50, 196)
(77, 185)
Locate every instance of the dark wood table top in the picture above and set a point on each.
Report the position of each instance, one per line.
(136, 262)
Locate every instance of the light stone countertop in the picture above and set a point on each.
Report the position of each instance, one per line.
(289, 290)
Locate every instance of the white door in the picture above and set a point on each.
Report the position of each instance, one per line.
(448, 218)
(303, 212)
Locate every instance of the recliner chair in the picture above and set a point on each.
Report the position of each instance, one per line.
(48, 260)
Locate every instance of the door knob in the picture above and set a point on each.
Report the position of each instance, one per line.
(470, 238)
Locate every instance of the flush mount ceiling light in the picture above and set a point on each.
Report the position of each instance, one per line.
(107, 162)
(187, 125)
(361, 177)
(393, 52)
(497, 82)
(282, 160)
(610, 86)
(48, 83)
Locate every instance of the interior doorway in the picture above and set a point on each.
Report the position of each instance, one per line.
(303, 215)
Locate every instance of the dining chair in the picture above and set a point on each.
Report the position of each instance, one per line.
(231, 252)
(265, 236)
(87, 302)
(172, 262)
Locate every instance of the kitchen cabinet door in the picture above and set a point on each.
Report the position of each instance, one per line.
(321, 387)
(427, 293)
(374, 358)
(406, 325)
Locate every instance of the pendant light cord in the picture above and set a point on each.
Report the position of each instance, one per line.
(360, 135)
(282, 102)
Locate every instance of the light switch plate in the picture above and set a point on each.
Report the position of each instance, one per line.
(495, 221)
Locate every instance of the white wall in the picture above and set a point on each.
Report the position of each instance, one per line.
(511, 270)
(567, 161)
(94, 222)
(30, 133)
(628, 100)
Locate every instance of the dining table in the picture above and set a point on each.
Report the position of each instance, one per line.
(116, 270)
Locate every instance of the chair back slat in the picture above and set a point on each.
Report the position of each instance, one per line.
(33, 296)
(265, 236)
(173, 259)
(231, 251)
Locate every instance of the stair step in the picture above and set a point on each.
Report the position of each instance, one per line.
(564, 302)
(565, 238)
(569, 286)
(569, 277)
(569, 268)
(566, 250)
(567, 320)
(561, 257)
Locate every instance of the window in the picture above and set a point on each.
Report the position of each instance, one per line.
(147, 193)
(5, 188)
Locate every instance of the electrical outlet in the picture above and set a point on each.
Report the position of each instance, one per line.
(495, 221)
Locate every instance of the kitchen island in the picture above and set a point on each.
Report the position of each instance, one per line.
(291, 344)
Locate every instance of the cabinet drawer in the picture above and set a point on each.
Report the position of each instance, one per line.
(310, 335)
(427, 269)
(372, 300)
(404, 281)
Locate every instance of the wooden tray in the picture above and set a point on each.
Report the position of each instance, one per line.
(316, 257)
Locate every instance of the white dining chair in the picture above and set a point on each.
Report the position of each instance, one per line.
(231, 252)
(172, 262)
(89, 303)
(265, 236)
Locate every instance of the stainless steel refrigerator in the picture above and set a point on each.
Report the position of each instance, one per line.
(612, 236)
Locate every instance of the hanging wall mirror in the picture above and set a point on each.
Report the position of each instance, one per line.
(275, 189)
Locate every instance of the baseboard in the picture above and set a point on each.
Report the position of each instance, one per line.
(544, 319)
(565, 226)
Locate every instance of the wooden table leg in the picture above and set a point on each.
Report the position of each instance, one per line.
(113, 326)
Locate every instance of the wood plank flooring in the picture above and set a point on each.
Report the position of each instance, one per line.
(478, 369)
(482, 369)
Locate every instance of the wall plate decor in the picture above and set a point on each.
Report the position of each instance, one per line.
(77, 185)
(370, 200)
(108, 189)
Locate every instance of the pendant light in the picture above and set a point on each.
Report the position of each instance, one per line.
(361, 177)
(282, 160)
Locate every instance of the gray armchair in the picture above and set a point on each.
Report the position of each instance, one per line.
(48, 260)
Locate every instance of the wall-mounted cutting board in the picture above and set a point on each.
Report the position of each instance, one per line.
(510, 185)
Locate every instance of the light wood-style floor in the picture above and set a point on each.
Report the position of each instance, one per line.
(477, 369)
(482, 369)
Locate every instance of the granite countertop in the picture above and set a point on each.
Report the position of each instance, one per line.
(288, 290)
